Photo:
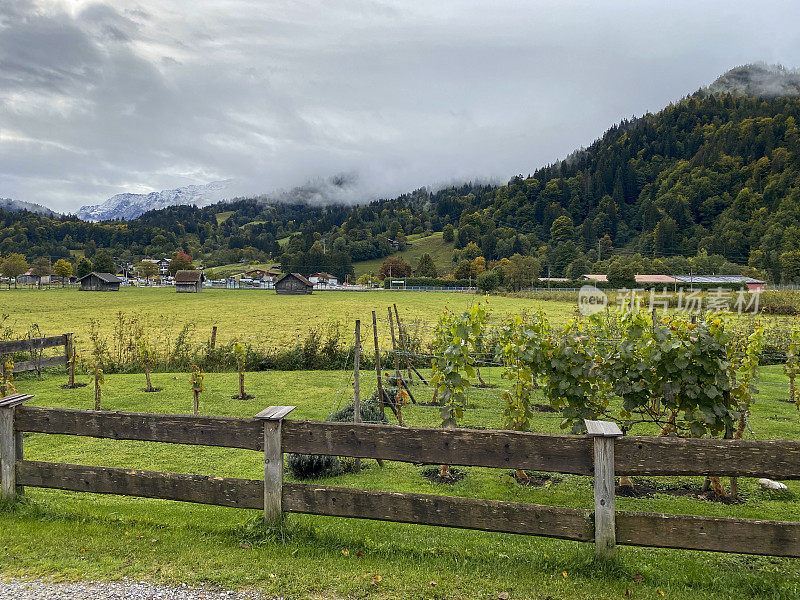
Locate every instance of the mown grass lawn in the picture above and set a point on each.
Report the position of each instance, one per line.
(72, 535)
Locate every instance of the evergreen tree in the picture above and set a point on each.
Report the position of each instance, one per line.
(83, 268)
(103, 263)
(426, 267)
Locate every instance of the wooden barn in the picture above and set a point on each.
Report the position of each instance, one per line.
(189, 281)
(100, 282)
(293, 283)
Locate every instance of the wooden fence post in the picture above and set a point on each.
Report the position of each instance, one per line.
(10, 446)
(213, 337)
(605, 537)
(273, 461)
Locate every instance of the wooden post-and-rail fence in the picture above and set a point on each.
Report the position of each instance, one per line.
(37, 344)
(603, 454)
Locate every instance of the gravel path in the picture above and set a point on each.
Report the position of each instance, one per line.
(120, 590)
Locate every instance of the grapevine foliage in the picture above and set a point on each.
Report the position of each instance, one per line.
(792, 365)
(456, 345)
(524, 349)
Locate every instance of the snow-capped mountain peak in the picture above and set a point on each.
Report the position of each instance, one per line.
(130, 206)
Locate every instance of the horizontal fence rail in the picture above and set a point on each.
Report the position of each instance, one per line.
(37, 345)
(632, 528)
(33, 344)
(484, 448)
(425, 509)
(634, 455)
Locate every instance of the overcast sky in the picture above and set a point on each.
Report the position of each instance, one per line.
(98, 98)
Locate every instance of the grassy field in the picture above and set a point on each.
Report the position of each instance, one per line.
(223, 216)
(441, 251)
(259, 317)
(71, 536)
(229, 270)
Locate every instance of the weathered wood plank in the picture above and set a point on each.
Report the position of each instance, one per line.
(425, 509)
(274, 413)
(8, 453)
(745, 536)
(602, 428)
(221, 491)
(502, 449)
(778, 459)
(32, 344)
(32, 365)
(273, 471)
(466, 513)
(15, 399)
(177, 429)
(636, 529)
(19, 450)
(604, 539)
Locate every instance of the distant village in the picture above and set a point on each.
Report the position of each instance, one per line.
(186, 280)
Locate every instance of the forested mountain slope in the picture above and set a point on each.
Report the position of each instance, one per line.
(714, 172)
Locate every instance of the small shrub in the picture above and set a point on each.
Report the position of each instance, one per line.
(369, 408)
(488, 281)
(313, 466)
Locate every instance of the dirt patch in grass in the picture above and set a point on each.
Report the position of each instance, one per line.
(648, 489)
(153, 390)
(246, 397)
(536, 479)
(433, 474)
(544, 408)
(67, 386)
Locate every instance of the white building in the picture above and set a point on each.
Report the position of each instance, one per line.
(323, 279)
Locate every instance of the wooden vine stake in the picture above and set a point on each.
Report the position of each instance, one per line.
(10, 446)
(394, 348)
(71, 356)
(197, 387)
(273, 461)
(378, 364)
(406, 345)
(605, 537)
(357, 382)
(398, 402)
(240, 355)
(97, 375)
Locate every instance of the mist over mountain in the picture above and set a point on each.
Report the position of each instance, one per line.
(19, 205)
(758, 79)
(344, 188)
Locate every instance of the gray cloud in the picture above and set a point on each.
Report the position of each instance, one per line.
(99, 98)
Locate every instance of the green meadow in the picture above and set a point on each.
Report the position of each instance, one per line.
(259, 317)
